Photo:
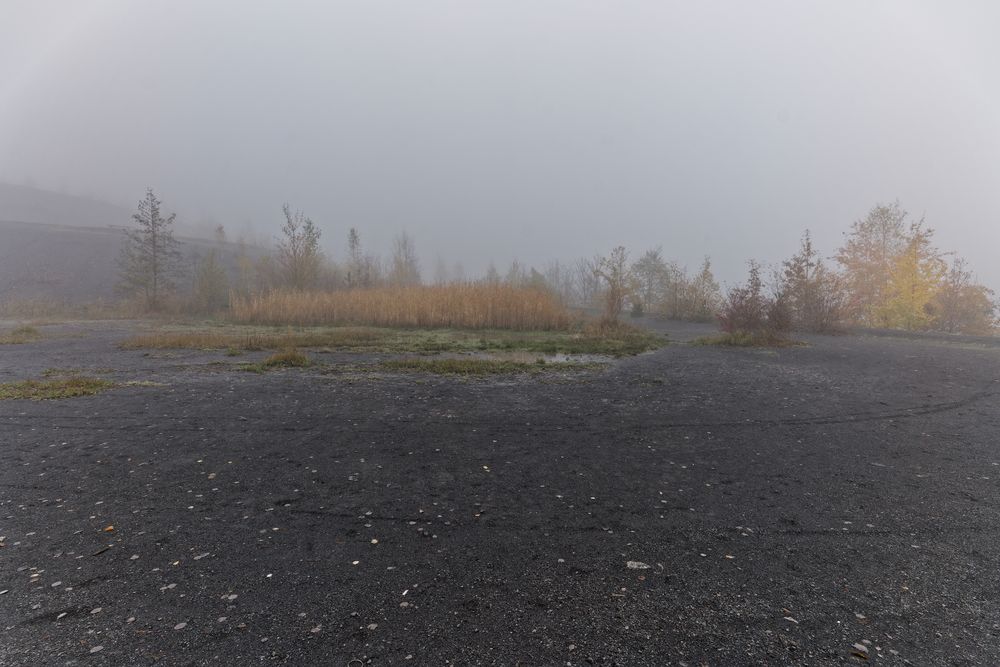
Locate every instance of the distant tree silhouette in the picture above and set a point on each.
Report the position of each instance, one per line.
(150, 257)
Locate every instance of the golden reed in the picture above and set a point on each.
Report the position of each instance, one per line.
(459, 306)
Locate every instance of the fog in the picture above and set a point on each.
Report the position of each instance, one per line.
(515, 129)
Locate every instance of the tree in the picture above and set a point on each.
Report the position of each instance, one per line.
(810, 290)
(616, 273)
(867, 259)
(356, 264)
(701, 296)
(405, 266)
(441, 276)
(299, 256)
(747, 309)
(492, 275)
(211, 285)
(150, 256)
(652, 277)
(914, 279)
(963, 305)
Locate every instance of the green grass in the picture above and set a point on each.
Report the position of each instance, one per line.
(233, 339)
(744, 339)
(451, 366)
(19, 335)
(37, 390)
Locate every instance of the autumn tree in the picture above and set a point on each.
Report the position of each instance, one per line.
(810, 290)
(913, 282)
(962, 305)
(299, 256)
(867, 259)
(616, 274)
(150, 257)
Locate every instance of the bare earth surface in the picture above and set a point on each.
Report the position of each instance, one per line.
(830, 504)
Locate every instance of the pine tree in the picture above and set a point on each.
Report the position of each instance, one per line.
(810, 290)
(150, 256)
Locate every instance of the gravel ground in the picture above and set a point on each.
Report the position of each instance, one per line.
(821, 505)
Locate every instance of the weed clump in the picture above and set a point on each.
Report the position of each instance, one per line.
(68, 387)
(286, 359)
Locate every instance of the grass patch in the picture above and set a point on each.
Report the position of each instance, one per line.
(744, 339)
(19, 335)
(283, 359)
(37, 390)
(449, 366)
(286, 359)
(234, 339)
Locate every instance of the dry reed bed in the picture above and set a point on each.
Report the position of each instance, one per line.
(437, 307)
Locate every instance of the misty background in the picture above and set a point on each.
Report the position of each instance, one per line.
(493, 131)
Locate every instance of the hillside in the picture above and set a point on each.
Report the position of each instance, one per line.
(63, 247)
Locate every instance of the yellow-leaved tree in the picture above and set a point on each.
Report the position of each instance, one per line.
(914, 280)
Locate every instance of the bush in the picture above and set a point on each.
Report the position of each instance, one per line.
(748, 310)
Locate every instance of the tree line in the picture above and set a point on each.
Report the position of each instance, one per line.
(888, 273)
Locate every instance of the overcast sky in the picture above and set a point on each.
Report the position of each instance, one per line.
(519, 128)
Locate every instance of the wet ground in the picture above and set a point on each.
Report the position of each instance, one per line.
(829, 504)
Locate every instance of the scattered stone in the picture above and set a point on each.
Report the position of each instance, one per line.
(180, 626)
(636, 565)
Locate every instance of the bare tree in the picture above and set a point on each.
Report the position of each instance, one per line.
(150, 257)
(405, 266)
(614, 270)
(299, 254)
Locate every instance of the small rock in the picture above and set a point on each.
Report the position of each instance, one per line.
(97, 649)
(180, 626)
(636, 565)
